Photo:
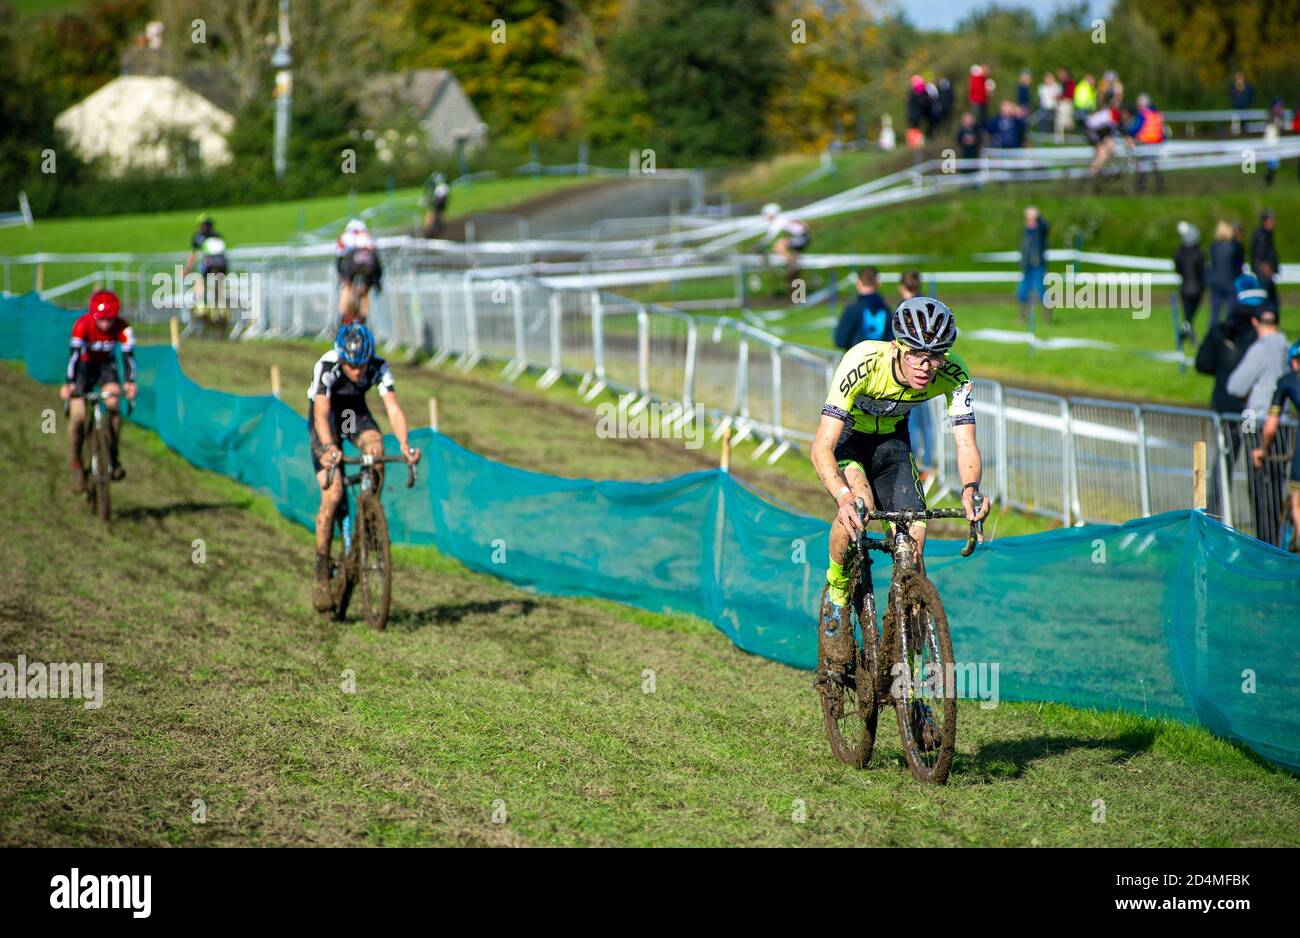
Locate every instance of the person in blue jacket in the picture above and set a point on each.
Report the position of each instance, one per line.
(867, 316)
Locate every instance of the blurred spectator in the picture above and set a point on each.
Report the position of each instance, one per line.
(1241, 95)
(1221, 351)
(1272, 134)
(1085, 97)
(1064, 122)
(978, 93)
(1066, 78)
(918, 108)
(945, 102)
(1264, 273)
(1033, 264)
(1148, 129)
(1024, 90)
(1262, 248)
(1049, 97)
(868, 316)
(887, 138)
(1255, 378)
(1189, 262)
(1111, 85)
(968, 140)
(1226, 260)
(1007, 130)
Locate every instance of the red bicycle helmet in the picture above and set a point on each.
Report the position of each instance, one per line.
(104, 304)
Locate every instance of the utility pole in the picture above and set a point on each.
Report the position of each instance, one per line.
(283, 94)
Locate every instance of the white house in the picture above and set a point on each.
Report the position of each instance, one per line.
(128, 121)
(429, 98)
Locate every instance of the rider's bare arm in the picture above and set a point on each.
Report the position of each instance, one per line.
(969, 468)
(320, 411)
(824, 463)
(397, 420)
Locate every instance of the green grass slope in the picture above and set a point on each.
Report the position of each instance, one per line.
(223, 686)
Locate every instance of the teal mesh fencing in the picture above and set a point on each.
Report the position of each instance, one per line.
(1174, 615)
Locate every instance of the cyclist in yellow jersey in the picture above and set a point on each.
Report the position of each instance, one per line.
(862, 448)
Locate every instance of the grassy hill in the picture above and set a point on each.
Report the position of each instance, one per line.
(223, 685)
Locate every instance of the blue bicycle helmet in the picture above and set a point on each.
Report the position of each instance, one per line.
(1294, 350)
(355, 344)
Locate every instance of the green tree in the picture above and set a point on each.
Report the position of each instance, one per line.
(705, 69)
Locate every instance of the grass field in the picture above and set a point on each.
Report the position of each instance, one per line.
(273, 223)
(223, 686)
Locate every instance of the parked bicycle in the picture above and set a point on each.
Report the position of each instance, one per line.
(860, 668)
(99, 439)
(360, 550)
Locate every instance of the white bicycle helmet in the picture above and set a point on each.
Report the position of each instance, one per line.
(925, 324)
(356, 225)
(771, 210)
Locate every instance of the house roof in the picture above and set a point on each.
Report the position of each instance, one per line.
(415, 92)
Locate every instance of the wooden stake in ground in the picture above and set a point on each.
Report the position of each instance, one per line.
(725, 464)
(1198, 475)
(433, 414)
(176, 332)
(275, 381)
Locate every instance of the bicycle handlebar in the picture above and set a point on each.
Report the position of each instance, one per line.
(365, 460)
(910, 517)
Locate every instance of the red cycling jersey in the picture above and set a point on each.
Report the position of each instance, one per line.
(93, 340)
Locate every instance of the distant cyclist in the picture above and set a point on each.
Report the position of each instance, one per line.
(359, 270)
(791, 237)
(434, 199)
(208, 253)
(1100, 127)
(92, 363)
(862, 448)
(338, 411)
(1288, 389)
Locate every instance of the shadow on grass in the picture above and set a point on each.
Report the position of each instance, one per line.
(1010, 758)
(451, 613)
(158, 512)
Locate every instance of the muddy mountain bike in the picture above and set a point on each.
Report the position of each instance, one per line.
(98, 438)
(360, 551)
(860, 668)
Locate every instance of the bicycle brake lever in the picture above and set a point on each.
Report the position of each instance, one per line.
(410, 474)
(976, 527)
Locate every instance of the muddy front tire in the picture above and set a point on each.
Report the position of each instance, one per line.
(375, 561)
(101, 475)
(927, 711)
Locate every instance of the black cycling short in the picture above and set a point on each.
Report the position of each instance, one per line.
(364, 421)
(800, 242)
(887, 461)
(363, 265)
(89, 375)
(1096, 135)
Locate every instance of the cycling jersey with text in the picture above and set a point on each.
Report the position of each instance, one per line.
(866, 393)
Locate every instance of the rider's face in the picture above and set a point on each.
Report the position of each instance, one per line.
(353, 372)
(918, 368)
